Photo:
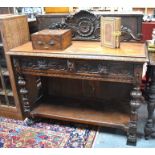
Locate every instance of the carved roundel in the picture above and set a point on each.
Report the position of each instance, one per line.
(85, 27)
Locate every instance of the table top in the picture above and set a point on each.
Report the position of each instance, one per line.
(128, 51)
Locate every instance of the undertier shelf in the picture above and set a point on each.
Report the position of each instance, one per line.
(82, 111)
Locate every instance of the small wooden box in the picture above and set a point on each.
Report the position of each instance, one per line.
(51, 39)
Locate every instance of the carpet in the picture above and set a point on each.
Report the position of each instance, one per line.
(45, 134)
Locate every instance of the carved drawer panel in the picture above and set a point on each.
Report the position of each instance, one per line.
(76, 67)
(104, 68)
(42, 64)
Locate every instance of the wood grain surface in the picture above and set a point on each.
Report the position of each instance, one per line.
(88, 50)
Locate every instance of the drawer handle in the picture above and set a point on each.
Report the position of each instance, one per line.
(40, 43)
(51, 43)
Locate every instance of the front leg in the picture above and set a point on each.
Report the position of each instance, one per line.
(135, 103)
(149, 129)
(24, 94)
(25, 101)
(136, 100)
(29, 121)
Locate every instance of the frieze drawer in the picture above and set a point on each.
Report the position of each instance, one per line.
(75, 67)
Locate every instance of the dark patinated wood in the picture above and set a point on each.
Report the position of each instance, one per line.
(87, 64)
(86, 25)
(135, 103)
(150, 91)
(24, 94)
(43, 21)
(84, 111)
(78, 69)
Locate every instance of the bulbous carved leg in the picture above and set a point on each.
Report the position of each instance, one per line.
(24, 97)
(135, 103)
(149, 129)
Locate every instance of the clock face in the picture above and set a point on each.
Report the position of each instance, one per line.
(85, 27)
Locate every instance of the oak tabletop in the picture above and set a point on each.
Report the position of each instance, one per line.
(128, 51)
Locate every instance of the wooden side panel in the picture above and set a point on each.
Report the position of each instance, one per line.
(12, 115)
(14, 31)
(10, 112)
(66, 39)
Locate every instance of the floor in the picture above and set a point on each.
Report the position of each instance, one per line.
(112, 138)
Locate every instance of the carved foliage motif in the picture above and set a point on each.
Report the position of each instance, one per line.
(24, 94)
(84, 26)
(76, 66)
(43, 64)
(87, 67)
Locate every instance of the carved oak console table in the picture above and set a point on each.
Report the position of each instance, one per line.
(83, 60)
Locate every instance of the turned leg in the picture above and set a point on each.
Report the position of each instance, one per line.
(149, 129)
(135, 103)
(25, 101)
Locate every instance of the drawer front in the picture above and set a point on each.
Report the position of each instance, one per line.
(51, 39)
(86, 68)
(46, 43)
(42, 64)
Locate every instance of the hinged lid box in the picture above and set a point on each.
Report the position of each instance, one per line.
(51, 39)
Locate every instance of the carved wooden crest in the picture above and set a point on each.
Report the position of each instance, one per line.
(84, 26)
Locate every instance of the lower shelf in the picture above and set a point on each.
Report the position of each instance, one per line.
(82, 112)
